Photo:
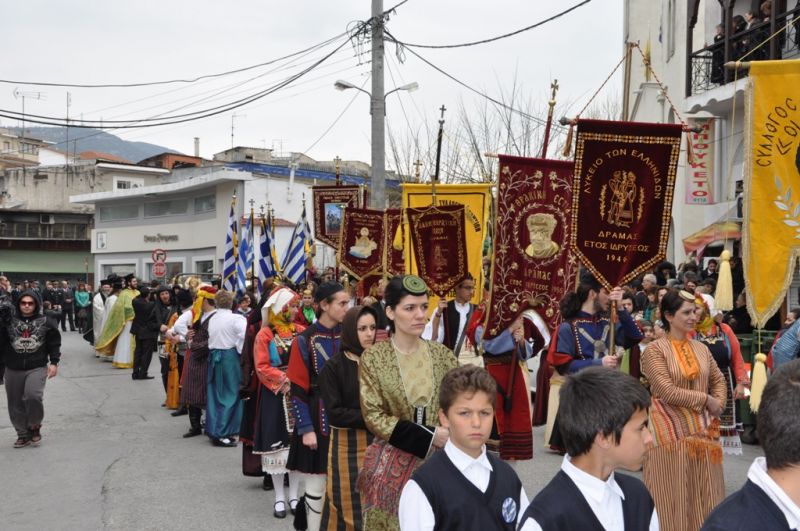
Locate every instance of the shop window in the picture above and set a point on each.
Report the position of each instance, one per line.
(205, 203)
(204, 266)
(171, 207)
(118, 212)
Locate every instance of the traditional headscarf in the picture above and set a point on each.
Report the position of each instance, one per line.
(276, 307)
(326, 290)
(350, 342)
(203, 292)
(705, 326)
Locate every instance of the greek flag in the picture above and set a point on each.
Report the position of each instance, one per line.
(229, 265)
(294, 263)
(266, 265)
(245, 257)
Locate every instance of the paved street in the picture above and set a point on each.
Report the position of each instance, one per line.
(112, 458)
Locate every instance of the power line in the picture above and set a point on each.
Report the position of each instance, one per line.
(172, 81)
(180, 118)
(492, 39)
(339, 117)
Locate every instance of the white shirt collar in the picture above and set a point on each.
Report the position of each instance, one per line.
(461, 308)
(758, 475)
(588, 484)
(462, 461)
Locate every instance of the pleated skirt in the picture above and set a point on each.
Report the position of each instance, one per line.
(685, 486)
(342, 510)
(195, 381)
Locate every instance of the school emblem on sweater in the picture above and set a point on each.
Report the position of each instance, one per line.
(509, 510)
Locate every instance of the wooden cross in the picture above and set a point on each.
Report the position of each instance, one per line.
(252, 202)
(442, 108)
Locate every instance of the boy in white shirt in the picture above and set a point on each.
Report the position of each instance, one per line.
(603, 421)
(463, 487)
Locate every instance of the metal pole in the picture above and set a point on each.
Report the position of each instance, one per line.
(378, 110)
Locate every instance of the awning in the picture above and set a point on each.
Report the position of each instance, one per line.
(45, 261)
(716, 232)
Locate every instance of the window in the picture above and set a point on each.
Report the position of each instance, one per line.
(120, 269)
(205, 203)
(204, 266)
(166, 208)
(6, 146)
(117, 212)
(29, 149)
(127, 183)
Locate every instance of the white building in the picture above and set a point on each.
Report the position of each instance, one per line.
(687, 61)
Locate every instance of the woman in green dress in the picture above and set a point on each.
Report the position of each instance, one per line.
(399, 382)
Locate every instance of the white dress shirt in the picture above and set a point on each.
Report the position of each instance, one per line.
(226, 330)
(182, 324)
(415, 511)
(463, 312)
(604, 498)
(758, 475)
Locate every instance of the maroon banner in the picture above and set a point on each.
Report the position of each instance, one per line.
(622, 196)
(329, 204)
(362, 241)
(395, 261)
(532, 261)
(440, 245)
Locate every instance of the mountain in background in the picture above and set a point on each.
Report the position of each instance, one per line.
(94, 140)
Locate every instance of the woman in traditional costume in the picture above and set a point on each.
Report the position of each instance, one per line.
(724, 347)
(399, 382)
(338, 383)
(272, 418)
(683, 469)
(308, 452)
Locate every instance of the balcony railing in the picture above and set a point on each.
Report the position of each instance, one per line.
(40, 231)
(706, 65)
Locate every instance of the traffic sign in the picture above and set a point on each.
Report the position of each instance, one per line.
(159, 255)
(159, 269)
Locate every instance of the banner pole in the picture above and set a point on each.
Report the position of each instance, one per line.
(438, 155)
(549, 124)
(612, 333)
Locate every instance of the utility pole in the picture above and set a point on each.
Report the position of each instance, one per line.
(233, 117)
(69, 100)
(378, 111)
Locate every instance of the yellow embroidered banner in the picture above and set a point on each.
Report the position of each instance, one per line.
(771, 230)
(478, 200)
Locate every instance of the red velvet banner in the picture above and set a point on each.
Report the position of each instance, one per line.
(395, 261)
(622, 196)
(440, 245)
(532, 261)
(329, 204)
(362, 241)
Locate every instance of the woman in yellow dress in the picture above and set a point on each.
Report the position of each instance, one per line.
(399, 382)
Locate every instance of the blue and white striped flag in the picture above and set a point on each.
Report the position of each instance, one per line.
(294, 263)
(245, 261)
(265, 267)
(229, 265)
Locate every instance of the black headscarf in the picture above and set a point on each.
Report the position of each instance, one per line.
(350, 342)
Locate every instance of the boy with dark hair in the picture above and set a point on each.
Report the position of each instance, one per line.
(770, 499)
(463, 487)
(603, 421)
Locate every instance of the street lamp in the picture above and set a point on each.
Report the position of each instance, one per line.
(378, 192)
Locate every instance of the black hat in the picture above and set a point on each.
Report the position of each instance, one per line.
(130, 277)
(184, 298)
(326, 290)
(105, 282)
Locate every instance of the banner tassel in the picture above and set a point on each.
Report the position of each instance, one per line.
(758, 382)
(723, 298)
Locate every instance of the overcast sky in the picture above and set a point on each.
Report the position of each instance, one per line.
(97, 41)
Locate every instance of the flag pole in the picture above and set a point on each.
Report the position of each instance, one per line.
(549, 124)
(435, 179)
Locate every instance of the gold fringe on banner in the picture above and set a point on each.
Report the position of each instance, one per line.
(723, 297)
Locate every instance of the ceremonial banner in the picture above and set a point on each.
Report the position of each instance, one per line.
(478, 200)
(700, 170)
(329, 203)
(440, 246)
(395, 262)
(362, 241)
(771, 235)
(622, 196)
(531, 241)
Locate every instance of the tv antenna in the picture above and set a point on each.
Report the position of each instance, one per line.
(19, 94)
